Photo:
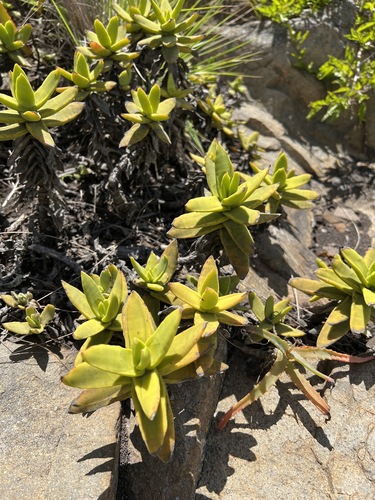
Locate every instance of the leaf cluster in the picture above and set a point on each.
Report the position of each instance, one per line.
(350, 286)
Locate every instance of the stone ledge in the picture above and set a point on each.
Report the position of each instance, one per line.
(45, 453)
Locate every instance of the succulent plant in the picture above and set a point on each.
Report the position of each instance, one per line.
(35, 322)
(34, 112)
(230, 207)
(350, 284)
(153, 356)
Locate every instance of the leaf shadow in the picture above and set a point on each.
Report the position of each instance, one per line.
(106, 451)
(38, 349)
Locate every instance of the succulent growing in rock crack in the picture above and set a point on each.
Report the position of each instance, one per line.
(153, 356)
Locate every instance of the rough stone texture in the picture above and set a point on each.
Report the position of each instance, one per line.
(286, 91)
(282, 447)
(193, 404)
(45, 453)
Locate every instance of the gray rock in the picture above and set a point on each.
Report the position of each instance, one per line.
(282, 447)
(46, 453)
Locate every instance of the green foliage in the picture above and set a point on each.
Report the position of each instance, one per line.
(147, 111)
(271, 315)
(158, 270)
(288, 192)
(166, 29)
(85, 79)
(108, 43)
(280, 11)
(229, 208)
(13, 40)
(352, 77)
(100, 303)
(205, 303)
(153, 356)
(35, 322)
(350, 285)
(34, 112)
(17, 300)
(214, 107)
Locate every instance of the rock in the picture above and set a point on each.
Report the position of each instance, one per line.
(45, 452)
(282, 447)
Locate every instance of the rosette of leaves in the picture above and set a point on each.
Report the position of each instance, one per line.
(249, 143)
(288, 192)
(146, 112)
(215, 108)
(229, 208)
(350, 283)
(108, 43)
(271, 315)
(287, 357)
(132, 7)
(13, 40)
(153, 356)
(158, 270)
(166, 29)
(35, 322)
(85, 79)
(34, 112)
(100, 303)
(17, 300)
(180, 94)
(205, 304)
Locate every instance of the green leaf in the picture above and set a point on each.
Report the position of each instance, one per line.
(111, 358)
(306, 388)
(102, 34)
(79, 300)
(89, 328)
(92, 293)
(360, 314)
(40, 131)
(21, 328)
(161, 340)
(186, 294)
(147, 388)
(180, 352)
(67, 114)
(153, 431)
(137, 320)
(52, 106)
(237, 257)
(11, 132)
(135, 134)
(44, 92)
(86, 376)
(24, 93)
(92, 399)
(154, 99)
(240, 235)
